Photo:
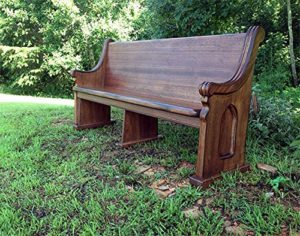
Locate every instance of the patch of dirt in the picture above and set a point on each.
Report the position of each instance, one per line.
(193, 212)
(185, 164)
(163, 188)
(142, 169)
(234, 230)
(205, 201)
(112, 151)
(60, 121)
(183, 183)
(154, 170)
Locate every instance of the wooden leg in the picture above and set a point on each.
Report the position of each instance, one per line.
(90, 114)
(138, 128)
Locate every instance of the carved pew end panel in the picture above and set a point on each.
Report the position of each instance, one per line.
(227, 139)
(222, 136)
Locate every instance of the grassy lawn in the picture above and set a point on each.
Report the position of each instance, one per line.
(55, 180)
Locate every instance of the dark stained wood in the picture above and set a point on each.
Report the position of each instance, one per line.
(93, 78)
(173, 68)
(210, 161)
(138, 128)
(254, 36)
(204, 183)
(89, 114)
(177, 118)
(142, 101)
(203, 82)
(227, 139)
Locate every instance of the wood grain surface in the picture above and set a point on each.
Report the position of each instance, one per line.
(202, 81)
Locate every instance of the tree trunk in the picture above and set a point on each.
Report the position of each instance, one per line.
(291, 46)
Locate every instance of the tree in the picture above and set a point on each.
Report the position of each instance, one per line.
(41, 40)
(291, 44)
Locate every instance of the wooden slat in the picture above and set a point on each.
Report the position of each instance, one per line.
(139, 101)
(159, 97)
(177, 118)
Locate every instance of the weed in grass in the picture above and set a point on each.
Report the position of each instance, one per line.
(185, 172)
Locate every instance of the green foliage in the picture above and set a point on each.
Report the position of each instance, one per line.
(275, 121)
(68, 34)
(278, 119)
(211, 223)
(264, 219)
(272, 81)
(173, 18)
(296, 146)
(292, 95)
(273, 57)
(275, 183)
(185, 172)
(27, 69)
(22, 63)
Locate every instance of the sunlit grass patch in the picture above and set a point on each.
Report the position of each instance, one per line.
(56, 180)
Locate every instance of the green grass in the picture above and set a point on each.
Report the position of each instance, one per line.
(55, 180)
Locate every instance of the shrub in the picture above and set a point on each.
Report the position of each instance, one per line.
(20, 65)
(172, 18)
(292, 95)
(271, 81)
(31, 70)
(273, 55)
(275, 122)
(295, 145)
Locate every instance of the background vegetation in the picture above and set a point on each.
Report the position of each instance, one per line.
(41, 40)
(66, 187)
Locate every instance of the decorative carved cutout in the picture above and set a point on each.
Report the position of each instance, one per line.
(228, 133)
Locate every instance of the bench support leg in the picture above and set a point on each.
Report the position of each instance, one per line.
(222, 136)
(90, 114)
(138, 128)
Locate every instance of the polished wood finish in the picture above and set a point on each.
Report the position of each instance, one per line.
(203, 82)
(181, 119)
(173, 68)
(222, 135)
(141, 101)
(204, 183)
(94, 78)
(138, 128)
(90, 114)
